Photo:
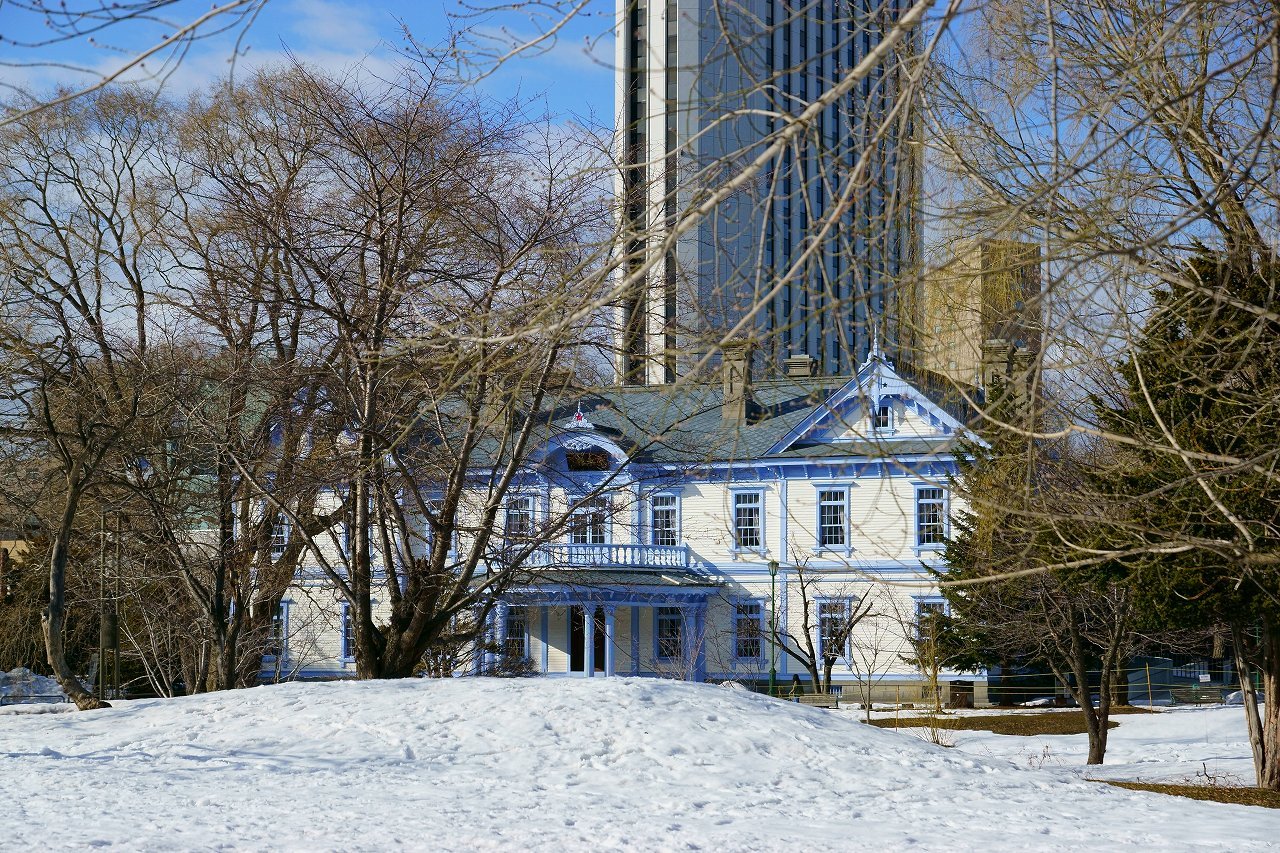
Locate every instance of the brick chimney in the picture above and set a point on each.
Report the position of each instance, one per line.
(735, 370)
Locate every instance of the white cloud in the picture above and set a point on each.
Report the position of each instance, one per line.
(333, 25)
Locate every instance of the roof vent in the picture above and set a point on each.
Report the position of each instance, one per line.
(800, 366)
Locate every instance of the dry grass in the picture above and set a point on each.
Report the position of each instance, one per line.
(1214, 793)
(1014, 723)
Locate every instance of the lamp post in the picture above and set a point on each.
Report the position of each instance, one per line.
(773, 627)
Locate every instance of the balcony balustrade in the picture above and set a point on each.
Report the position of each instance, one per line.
(624, 556)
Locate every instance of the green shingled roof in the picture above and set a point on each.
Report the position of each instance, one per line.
(683, 424)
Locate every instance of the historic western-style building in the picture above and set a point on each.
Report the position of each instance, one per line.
(699, 516)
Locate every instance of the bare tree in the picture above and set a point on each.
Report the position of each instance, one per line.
(56, 39)
(828, 618)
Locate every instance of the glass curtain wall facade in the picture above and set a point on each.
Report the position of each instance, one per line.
(809, 254)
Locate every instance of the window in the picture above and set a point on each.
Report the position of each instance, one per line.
(514, 646)
(882, 417)
(278, 632)
(279, 535)
(436, 507)
(833, 628)
(667, 632)
(589, 523)
(927, 615)
(347, 635)
(748, 630)
(519, 518)
(747, 532)
(931, 516)
(664, 520)
(833, 518)
(586, 460)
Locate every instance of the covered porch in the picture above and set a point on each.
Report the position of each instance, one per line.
(591, 625)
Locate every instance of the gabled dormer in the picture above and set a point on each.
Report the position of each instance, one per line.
(877, 407)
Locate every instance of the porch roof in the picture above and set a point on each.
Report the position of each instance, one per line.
(571, 587)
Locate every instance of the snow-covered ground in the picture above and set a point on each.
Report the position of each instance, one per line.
(574, 765)
(1199, 746)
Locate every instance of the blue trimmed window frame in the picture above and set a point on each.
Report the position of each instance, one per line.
(931, 517)
(821, 524)
(668, 628)
(277, 648)
(517, 632)
(740, 499)
(748, 612)
(432, 504)
(670, 502)
(929, 604)
(827, 608)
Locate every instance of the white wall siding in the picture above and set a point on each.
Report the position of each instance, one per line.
(558, 639)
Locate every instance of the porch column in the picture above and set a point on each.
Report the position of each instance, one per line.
(500, 632)
(688, 647)
(635, 640)
(589, 639)
(487, 633)
(477, 662)
(609, 612)
(700, 648)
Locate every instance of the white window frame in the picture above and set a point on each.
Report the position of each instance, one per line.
(346, 635)
(280, 521)
(881, 404)
(584, 506)
(532, 503)
(943, 502)
(739, 618)
(738, 547)
(279, 616)
(523, 613)
(652, 509)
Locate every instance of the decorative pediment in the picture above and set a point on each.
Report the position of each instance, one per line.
(877, 406)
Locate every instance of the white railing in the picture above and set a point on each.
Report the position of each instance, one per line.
(610, 556)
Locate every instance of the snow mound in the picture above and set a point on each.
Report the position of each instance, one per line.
(23, 685)
(547, 764)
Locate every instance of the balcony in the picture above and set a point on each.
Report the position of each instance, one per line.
(564, 555)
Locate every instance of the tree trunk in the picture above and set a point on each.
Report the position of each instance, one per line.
(1269, 775)
(1264, 726)
(1095, 723)
(1248, 691)
(53, 618)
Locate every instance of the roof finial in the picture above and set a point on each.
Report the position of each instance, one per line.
(579, 420)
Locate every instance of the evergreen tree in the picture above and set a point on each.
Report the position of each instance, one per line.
(1024, 599)
(1195, 463)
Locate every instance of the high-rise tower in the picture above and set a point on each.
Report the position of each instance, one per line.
(807, 256)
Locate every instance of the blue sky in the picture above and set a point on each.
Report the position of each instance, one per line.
(572, 77)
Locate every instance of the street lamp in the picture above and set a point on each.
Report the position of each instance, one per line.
(773, 627)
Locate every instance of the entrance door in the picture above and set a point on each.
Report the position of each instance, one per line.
(578, 639)
(598, 650)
